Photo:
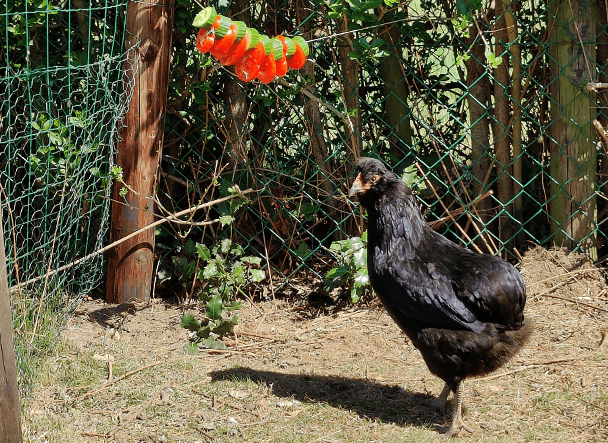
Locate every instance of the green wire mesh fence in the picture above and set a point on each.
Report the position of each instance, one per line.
(64, 87)
(491, 119)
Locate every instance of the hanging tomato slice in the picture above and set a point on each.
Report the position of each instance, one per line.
(204, 41)
(281, 66)
(281, 63)
(268, 69)
(248, 67)
(298, 59)
(221, 46)
(236, 52)
(200, 38)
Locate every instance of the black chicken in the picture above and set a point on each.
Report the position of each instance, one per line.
(463, 311)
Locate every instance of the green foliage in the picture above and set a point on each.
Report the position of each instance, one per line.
(351, 270)
(367, 50)
(222, 270)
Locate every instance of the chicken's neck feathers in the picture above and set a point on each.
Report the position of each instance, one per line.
(395, 218)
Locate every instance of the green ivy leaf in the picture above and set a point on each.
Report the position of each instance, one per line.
(190, 323)
(214, 308)
(493, 60)
(238, 274)
(302, 250)
(191, 348)
(203, 252)
(203, 333)
(360, 258)
(252, 260)
(225, 326)
(225, 220)
(257, 275)
(361, 277)
(354, 295)
(225, 245)
(212, 343)
(209, 271)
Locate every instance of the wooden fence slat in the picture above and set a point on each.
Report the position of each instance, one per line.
(10, 414)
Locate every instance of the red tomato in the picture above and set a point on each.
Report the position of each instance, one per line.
(221, 46)
(236, 52)
(204, 41)
(281, 66)
(298, 59)
(268, 70)
(248, 67)
(199, 39)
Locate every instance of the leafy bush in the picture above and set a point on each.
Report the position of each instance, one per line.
(223, 271)
(351, 270)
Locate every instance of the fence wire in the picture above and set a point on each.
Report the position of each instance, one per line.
(64, 88)
(492, 121)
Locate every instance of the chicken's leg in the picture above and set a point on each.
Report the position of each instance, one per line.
(457, 422)
(439, 402)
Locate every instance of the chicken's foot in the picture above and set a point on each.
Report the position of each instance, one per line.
(457, 422)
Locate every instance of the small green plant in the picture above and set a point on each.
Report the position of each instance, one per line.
(351, 270)
(223, 271)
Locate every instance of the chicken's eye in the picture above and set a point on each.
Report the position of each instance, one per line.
(374, 179)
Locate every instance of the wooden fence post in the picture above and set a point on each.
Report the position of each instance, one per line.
(10, 414)
(130, 267)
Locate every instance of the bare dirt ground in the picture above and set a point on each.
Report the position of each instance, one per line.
(313, 373)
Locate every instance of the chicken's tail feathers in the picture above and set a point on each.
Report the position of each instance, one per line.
(522, 335)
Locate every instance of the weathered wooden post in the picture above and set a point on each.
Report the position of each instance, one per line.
(10, 414)
(130, 267)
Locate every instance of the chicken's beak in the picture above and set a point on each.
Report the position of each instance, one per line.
(357, 187)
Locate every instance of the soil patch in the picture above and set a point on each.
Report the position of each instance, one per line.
(303, 373)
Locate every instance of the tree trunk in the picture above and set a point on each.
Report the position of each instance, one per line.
(573, 155)
(516, 134)
(396, 110)
(10, 412)
(602, 65)
(236, 103)
(477, 99)
(350, 90)
(502, 141)
(130, 267)
(318, 146)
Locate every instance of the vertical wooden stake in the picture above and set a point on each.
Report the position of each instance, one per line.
(10, 413)
(130, 267)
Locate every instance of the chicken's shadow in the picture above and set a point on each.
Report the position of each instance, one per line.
(389, 404)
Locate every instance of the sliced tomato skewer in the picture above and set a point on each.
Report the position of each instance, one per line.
(248, 67)
(268, 69)
(298, 59)
(236, 52)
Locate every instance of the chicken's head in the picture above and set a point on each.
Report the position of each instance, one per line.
(370, 175)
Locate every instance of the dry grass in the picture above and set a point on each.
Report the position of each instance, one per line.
(302, 374)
